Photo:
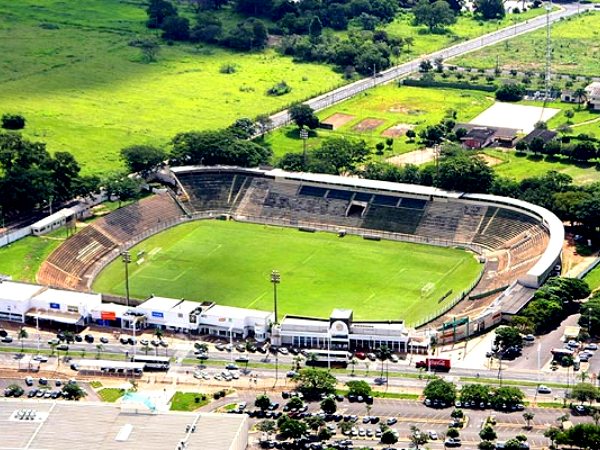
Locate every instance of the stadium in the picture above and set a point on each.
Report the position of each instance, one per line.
(507, 247)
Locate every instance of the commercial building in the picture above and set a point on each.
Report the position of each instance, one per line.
(341, 332)
(86, 425)
(240, 323)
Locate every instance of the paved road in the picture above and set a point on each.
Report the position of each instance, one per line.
(350, 90)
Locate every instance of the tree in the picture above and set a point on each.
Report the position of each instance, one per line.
(580, 94)
(379, 147)
(122, 187)
(584, 151)
(388, 437)
(486, 445)
(315, 422)
(552, 433)
(262, 402)
(507, 396)
(264, 123)
(176, 28)
(324, 434)
(359, 387)
(510, 93)
(142, 158)
(13, 122)
(291, 428)
(490, 9)
(248, 35)
(507, 337)
(441, 390)
(158, 11)
(303, 116)
(266, 426)
(416, 437)
(528, 416)
(99, 350)
(487, 433)
(457, 414)
(465, 173)
(584, 392)
(22, 334)
(436, 15)
(201, 346)
(452, 432)
(149, 49)
(295, 403)
(315, 28)
(512, 444)
(475, 393)
(411, 135)
(73, 391)
(329, 405)
(537, 145)
(314, 382)
(338, 155)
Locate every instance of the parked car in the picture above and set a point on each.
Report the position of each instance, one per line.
(591, 346)
(62, 347)
(7, 339)
(89, 338)
(432, 435)
(544, 389)
(104, 340)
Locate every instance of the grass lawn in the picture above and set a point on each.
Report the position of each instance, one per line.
(188, 401)
(110, 394)
(82, 88)
(519, 166)
(230, 263)
(465, 28)
(593, 279)
(22, 259)
(574, 40)
(393, 105)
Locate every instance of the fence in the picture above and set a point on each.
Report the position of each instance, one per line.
(9, 237)
(589, 268)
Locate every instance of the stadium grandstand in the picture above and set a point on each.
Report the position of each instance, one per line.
(521, 243)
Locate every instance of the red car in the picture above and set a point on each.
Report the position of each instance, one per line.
(360, 355)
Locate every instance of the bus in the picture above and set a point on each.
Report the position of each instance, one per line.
(153, 363)
(328, 358)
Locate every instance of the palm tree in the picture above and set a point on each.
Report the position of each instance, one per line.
(367, 367)
(99, 350)
(22, 334)
(353, 363)
(52, 348)
(528, 416)
(82, 353)
(312, 359)
(580, 94)
(146, 348)
(296, 363)
(201, 346)
(158, 332)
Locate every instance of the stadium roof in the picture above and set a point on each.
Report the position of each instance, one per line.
(11, 290)
(87, 425)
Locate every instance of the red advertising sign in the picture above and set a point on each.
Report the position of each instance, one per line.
(108, 315)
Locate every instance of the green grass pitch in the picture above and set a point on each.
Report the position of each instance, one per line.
(230, 263)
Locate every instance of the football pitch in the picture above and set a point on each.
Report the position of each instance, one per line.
(230, 263)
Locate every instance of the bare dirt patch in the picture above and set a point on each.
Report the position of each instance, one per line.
(338, 119)
(416, 157)
(397, 130)
(368, 125)
(490, 160)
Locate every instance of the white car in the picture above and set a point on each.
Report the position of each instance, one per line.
(544, 390)
(432, 435)
(283, 350)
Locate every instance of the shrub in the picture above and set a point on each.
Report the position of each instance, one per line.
(228, 68)
(510, 93)
(13, 122)
(279, 89)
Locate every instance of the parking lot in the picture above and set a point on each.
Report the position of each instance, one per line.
(46, 389)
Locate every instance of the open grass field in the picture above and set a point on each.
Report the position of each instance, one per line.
(519, 166)
(230, 263)
(22, 259)
(68, 68)
(82, 88)
(576, 44)
(391, 105)
(110, 395)
(593, 279)
(188, 401)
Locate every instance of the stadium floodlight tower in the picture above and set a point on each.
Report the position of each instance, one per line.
(126, 257)
(275, 279)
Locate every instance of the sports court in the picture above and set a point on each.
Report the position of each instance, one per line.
(519, 117)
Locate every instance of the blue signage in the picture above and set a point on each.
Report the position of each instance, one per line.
(158, 314)
(54, 305)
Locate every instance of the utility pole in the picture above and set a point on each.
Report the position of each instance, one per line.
(304, 137)
(548, 51)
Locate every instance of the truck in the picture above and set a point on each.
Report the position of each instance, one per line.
(437, 364)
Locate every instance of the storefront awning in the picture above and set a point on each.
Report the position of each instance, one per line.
(55, 316)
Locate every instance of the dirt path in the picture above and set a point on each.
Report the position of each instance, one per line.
(414, 157)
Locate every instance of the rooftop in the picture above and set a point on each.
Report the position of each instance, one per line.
(68, 297)
(11, 290)
(545, 135)
(231, 312)
(160, 303)
(63, 425)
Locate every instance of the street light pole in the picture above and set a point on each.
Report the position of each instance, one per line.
(126, 256)
(275, 279)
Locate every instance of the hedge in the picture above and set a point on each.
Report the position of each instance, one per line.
(450, 85)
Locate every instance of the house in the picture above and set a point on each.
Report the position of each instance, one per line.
(544, 135)
(593, 96)
(568, 96)
(478, 136)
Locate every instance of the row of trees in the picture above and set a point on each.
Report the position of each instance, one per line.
(551, 303)
(583, 148)
(500, 397)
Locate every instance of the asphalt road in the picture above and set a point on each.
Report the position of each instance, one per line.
(350, 90)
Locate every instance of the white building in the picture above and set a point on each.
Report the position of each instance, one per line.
(240, 323)
(170, 313)
(60, 218)
(61, 306)
(593, 95)
(341, 332)
(14, 299)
